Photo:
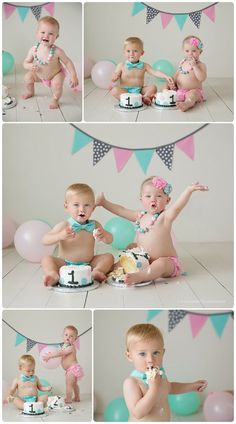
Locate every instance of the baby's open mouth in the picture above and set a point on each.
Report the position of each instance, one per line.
(153, 205)
(81, 215)
(45, 40)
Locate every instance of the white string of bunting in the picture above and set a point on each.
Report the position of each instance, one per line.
(30, 343)
(23, 9)
(180, 18)
(143, 155)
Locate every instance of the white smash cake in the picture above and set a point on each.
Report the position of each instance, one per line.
(130, 101)
(75, 276)
(56, 402)
(33, 408)
(166, 99)
(131, 260)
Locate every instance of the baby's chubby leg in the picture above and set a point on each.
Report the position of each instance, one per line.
(101, 265)
(29, 80)
(51, 266)
(192, 97)
(44, 399)
(57, 87)
(70, 380)
(162, 267)
(148, 93)
(76, 392)
(117, 91)
(19, 403)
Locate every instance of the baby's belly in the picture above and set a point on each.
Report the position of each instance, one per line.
(188, 82)
(29, 392)
(157, 250)
(48, 72)
(132, 81)
(156, 415)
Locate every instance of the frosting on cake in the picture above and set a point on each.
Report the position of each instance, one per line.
(33, 408)
(132, 260)
(75, 276)
(166, 98)
(56, 402)
(131, 100)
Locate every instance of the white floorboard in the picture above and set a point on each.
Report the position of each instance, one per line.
(36, 109)
(99, 106)
(83, 413)
(207, 283)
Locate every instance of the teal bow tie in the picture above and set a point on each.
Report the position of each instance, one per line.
(24, 378)
(88, 226)
(130, 65)
(142, 375)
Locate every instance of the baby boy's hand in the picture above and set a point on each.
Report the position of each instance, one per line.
(98, 234)
(200, 385)
(198, 187)
(155, 382)
(67, 234)
(115, 77)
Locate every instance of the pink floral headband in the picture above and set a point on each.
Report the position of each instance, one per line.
(162, 184)
(195, 42)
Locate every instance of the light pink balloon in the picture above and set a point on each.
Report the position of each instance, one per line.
(102, 73)
(28, 240)
(52, 363)
(8, 231)
(5, 389)
(219, 406)
(88, 64)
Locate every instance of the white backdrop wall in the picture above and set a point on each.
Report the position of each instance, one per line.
(112, 23)
(186, 358)
(46, 327)
(38, 166)
(69, 16)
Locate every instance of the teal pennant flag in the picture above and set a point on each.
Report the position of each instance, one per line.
(152, 313)
(144, 157)
(181, 19)
(137, 7)
(23, 12)
(219, 322)
(19, 339)
(80, 140)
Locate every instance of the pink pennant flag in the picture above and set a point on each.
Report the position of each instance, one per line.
(77, 343)
(8, 9)
(40, 346)
(49, 8)
(197, 322)
(187, 146)
(121, 156)
(165, 19)
(210, 12)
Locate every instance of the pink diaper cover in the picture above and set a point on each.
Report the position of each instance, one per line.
(76, 370)
(181, 94)
(177, 265)
(48, 82)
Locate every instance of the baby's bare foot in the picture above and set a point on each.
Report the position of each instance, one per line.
(98, 275)
(50, 279)
(76, 399)
(132, 278)
(54, 104)
(147, 100)
(68, 400)
(27, 95)
(183, 106)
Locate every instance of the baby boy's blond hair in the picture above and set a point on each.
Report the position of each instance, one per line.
(72, 328)
(49, 20)
(133, 40)
(29, 359)
(142, 332)
(79, 188)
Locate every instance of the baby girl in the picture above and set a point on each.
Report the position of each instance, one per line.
(153, 226)
(44, 62)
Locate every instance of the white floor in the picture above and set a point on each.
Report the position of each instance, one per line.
(99, 106)
(36, 108)
(82, 413)
(208, 283)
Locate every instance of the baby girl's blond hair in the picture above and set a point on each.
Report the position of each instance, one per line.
(72, 328)
(49, 20)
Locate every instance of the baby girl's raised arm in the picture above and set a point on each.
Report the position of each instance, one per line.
(119, 210)
(173, 211)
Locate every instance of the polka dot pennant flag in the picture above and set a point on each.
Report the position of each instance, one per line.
(30, 344)
(196, 18)
(174, 318)
(166, 154)
(100, 149)
(151, 13)
(36, 10)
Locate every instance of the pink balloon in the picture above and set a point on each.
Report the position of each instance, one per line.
(28, 241)
(88, 64)
(219, 406)
(102, 73)
(8, 231)
(52, 363)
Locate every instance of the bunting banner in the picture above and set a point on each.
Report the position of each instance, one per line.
(143, 156)
(180, 18)
(197, 320)
(30, 343)
(23, 10)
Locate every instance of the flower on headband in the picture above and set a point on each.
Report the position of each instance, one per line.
(162, 184)
(195, 42)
